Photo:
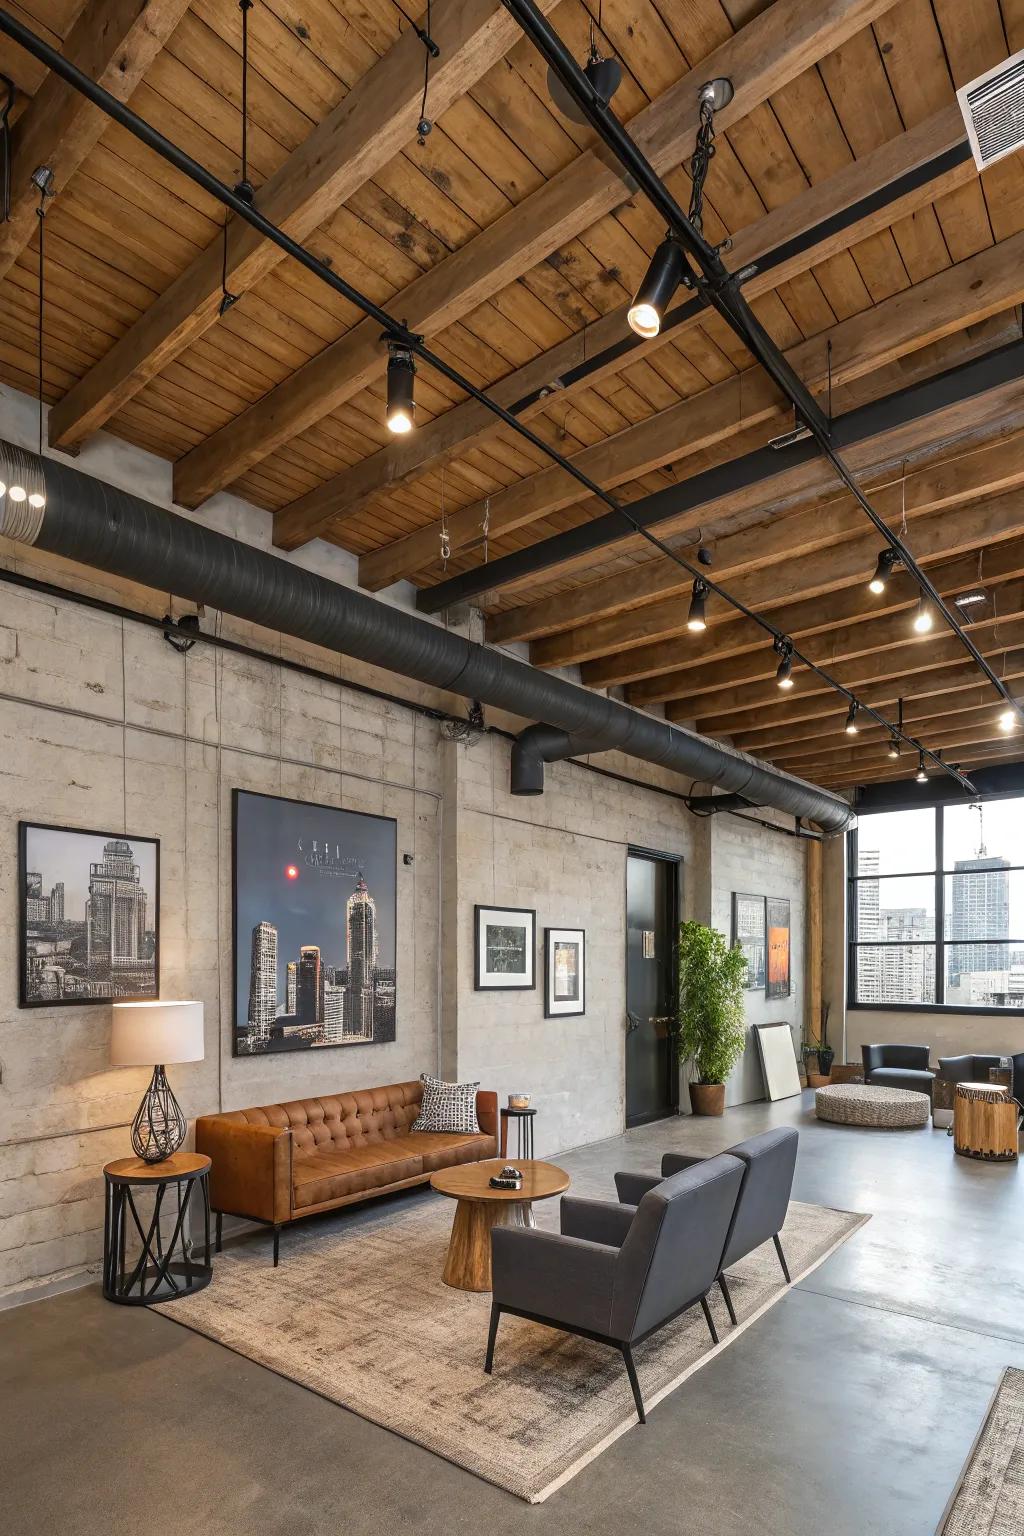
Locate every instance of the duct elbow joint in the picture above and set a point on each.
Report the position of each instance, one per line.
(532, 748)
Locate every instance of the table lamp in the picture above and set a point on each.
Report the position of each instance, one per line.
(151, 1034)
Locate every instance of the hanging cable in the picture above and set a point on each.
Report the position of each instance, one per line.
(243, 187)
(5, 140)
(700, 160)
(430, 51)
(43, 180)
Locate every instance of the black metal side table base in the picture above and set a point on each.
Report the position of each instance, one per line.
(524, 1131)
(163, 1270)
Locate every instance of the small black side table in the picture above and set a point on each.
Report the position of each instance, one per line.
(163, 1270)
(524, 1131)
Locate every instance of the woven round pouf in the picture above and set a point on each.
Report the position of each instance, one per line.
(862, 1104)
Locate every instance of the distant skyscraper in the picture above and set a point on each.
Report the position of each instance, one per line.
(309, 991)
(115, 913)
(291, 973)
(980, 908)
(361, 932)
(334, 1013)
(262, 982)
(383, 1005)
(40, 910)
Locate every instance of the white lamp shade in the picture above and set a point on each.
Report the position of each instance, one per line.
(148, 1034)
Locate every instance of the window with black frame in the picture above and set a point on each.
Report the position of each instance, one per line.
(936, 907)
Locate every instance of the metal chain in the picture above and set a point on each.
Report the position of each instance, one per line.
(700, 162)
(446, 543)
(486, 525)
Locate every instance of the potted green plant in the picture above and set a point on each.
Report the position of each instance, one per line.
(711, 1031)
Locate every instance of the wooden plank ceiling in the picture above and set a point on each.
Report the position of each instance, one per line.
(514, 245)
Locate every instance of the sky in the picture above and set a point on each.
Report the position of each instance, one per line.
(63, 855)
(273, 834)
(906, 841)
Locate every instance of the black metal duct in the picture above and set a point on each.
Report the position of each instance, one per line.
(86, 520)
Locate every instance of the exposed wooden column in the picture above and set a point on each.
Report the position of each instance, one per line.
(367, 129)
(113, 42)
(812, 941)
(772, 49)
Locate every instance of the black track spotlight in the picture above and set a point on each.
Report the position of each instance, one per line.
(921, 776)
(696, 619)
(851, 726)
(883, 570)
(784, 670)
(401, 410)
(603, 75)
(654, 295)
(893, 749)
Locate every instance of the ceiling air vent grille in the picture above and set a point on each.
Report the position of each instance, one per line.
(993, 109)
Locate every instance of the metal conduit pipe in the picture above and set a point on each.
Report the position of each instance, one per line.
(86, 520)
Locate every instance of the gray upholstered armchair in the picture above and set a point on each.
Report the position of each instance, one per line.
(898, 1066)
(769, 1163)
(617, 1274)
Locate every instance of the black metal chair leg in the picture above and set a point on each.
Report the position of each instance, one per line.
(634, 1381)
(220, 1229)
(727, 1298)
(709, 1319)
(782, 1259)
(277, 1243)
(492, 1334)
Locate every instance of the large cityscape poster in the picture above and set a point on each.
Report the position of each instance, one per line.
(314, 923)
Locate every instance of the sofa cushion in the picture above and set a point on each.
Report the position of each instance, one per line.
(445, 1149)
(326, 1175)
(902, 1077)
(447, 1107)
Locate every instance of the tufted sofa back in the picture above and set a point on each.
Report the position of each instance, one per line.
(343, 1120)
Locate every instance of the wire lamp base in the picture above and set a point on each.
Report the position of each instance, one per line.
(159, 1127)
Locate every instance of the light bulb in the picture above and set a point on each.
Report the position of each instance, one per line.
(17, 493)
(36, 499)
(923, 618)
(1008, 720)
(654, 295)
(644, 320)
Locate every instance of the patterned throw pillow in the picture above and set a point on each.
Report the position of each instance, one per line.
(447, 1106)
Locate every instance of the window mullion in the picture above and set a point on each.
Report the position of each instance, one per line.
(940, 914)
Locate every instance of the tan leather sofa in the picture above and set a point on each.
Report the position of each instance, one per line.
(279, 1162)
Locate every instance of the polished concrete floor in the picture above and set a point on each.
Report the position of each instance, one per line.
(847, 1409)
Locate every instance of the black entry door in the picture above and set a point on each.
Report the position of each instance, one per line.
(652, 1078)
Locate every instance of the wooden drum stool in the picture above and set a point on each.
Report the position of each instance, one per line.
(985, 1122)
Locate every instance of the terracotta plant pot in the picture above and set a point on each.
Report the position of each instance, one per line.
(818, 1079)
(707, 1098)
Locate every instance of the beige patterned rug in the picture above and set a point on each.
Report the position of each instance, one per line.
(357, 1312)
(989, 1498)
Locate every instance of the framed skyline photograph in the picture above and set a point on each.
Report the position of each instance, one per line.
(778, 975)
(315, 898)
(88, 916)
(748, 931)
(505, 945)
(565, 979)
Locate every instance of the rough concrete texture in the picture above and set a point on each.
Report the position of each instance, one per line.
(849, 1408)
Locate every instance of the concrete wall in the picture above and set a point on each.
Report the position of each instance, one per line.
(103, 725)
(947, 1034)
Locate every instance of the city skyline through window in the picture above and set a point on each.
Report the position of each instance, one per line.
(936, 912)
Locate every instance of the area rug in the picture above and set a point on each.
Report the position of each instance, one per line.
(358, 1312)
(989, 1498)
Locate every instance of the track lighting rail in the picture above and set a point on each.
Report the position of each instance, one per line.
(714, 284)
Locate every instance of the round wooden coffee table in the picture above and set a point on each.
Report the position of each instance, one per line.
(468, 1265)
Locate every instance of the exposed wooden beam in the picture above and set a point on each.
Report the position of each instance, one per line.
(367, 129)
(949, 301)
(779, 562)
(868, 667)
(771, 50)
(883, 770)
(855, 188)
(113, 42)
(881, 427)
(968, 730)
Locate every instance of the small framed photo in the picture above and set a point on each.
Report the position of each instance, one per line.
(748, 931)
(778, 982)
(506, 949)
(565, 972)
(88, 916)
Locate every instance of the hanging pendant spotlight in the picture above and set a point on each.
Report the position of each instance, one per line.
(696, 619)
(851, 727)
(883, 570)
(921, 776)
(665, 273)
(784, 670)
(401, 407)
(924, 618)
(1008, 721)
(604, 77)
(893, 749)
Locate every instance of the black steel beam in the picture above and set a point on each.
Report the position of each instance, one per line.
(762, 466)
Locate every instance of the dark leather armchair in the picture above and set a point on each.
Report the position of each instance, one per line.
(966, 1069)
(1017, 1062)
(769, 1163)
(898, 1066)
(618, 1273)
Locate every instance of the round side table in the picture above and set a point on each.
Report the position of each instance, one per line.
(164, 1269)
(524, 1131)
(480, 1209)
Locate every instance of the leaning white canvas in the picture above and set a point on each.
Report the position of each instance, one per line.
(778, 1060)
